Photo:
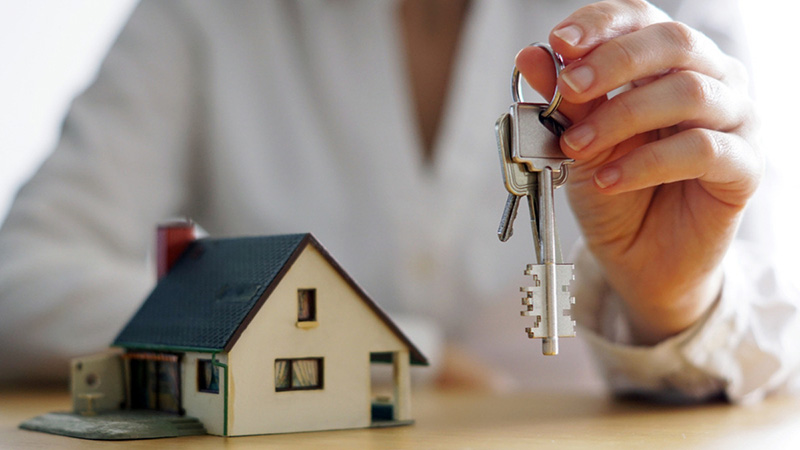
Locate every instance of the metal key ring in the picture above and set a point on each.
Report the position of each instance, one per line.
(516, 88)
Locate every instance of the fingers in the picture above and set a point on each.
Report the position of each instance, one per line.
(617, 42)
(536, 65)
(724, 163)
(686, 99)
(653, 51)
(601, 22)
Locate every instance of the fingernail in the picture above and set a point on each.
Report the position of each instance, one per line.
(579, 79)
(607, 176)
(579, 136)
(570, 34)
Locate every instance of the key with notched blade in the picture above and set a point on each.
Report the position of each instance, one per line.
(548, 300)
(533, 166)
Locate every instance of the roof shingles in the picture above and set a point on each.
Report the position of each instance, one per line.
(209, 291)
(212, 292)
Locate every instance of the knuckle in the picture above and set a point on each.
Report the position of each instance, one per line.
(625, 111)
(625, 59)
(606, 12)
(644, 11)
(706, 145)
(680, 35)
(696, 88)
(636, 5)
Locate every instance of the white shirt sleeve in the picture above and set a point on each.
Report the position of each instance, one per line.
(745, 346)
(73, 248)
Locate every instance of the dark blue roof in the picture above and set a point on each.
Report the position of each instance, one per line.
(216, 287)
(209, 292)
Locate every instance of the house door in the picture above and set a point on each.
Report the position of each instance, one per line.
(155, 382)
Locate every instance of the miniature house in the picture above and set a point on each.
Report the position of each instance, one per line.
(252, 335)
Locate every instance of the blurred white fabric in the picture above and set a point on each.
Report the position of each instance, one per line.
(287, 117)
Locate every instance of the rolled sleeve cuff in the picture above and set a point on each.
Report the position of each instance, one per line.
(702, 362)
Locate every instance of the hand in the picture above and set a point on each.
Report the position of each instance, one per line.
(663, 170)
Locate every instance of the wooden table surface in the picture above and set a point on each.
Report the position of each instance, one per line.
(469, 420)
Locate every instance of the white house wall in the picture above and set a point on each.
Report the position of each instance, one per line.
(347, 332)
(207, 407)
(100, 374)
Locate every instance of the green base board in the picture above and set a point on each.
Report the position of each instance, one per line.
(132, 425)
(117, 425)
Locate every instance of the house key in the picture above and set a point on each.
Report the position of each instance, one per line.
(533, 166)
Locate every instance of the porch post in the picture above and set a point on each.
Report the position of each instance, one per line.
(402, 385)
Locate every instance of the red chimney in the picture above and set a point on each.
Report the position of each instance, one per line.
(171, 240)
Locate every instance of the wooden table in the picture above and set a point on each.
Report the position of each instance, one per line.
(481, 421)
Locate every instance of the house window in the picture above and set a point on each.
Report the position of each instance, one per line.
(298, 374)
(207, 376)
(306, 305)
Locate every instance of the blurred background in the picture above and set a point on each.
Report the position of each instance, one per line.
(50, 51)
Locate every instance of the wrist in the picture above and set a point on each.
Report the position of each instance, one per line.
(652, 322)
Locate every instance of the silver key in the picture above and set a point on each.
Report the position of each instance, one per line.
(531, 174)
(549, 297)
(518, 181)
(527, 139)
(506, 228)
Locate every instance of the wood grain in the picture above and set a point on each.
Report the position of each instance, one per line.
(446, 420)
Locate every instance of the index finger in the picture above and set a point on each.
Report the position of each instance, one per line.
(616, 42)
(595, 24)
(653, 51)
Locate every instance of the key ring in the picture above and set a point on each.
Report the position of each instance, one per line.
(516, 88)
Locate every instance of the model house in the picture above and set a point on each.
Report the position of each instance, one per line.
(252, 335)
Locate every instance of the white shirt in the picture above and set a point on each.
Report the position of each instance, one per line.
(279, 117)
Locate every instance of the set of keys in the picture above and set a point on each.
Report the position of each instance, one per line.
(533, 166)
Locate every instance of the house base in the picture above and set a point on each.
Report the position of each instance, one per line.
(133, 425)
(116, 425)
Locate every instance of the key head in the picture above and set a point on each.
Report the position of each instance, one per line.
(534, 141)
(518, 180)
